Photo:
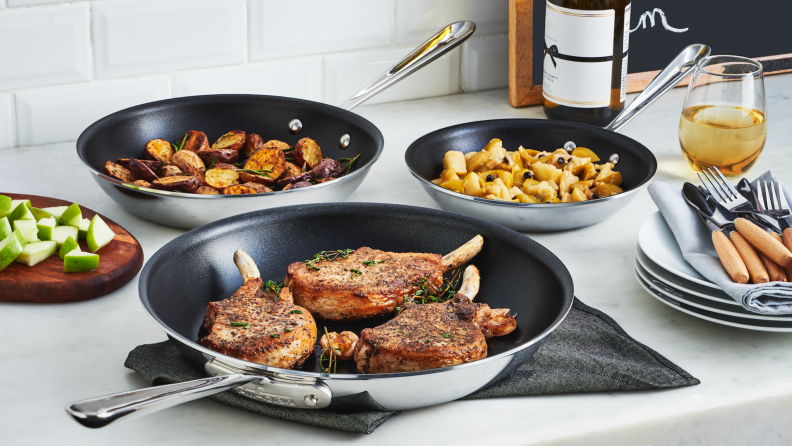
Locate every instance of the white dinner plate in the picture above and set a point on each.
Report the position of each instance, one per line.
(748, 324)
(704, 304)
(659, 244)
(680, 283)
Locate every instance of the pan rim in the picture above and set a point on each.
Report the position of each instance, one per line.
(143, 108)
(562, 273)
(427, 183)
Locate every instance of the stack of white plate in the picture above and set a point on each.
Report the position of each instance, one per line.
(664, 273)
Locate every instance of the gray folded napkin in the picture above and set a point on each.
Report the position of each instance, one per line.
(588, 352)
(695, 241)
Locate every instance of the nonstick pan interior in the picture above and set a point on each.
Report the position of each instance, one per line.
(186, 274)
(636, 164)
(125, 133)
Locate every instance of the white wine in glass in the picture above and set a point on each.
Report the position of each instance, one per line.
(723, 122)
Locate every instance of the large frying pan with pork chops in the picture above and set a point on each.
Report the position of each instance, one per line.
(181, 279)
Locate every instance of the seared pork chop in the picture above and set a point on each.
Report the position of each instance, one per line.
(369, 282)
(259, 326)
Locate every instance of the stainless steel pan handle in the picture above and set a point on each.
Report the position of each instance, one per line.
(101, 411)
(444, 41)
(666, 80)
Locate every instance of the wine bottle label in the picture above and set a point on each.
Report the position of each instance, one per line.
(625, 46)
(578, 59)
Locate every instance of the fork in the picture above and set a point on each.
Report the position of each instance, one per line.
(722, 191)
(770, 200)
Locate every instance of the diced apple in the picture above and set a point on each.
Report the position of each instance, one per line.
(37, 213)
(5, 228)
(36, 252)
(99, 234)
(68, 246)
(19, 211)
(45, 227)
(72, 216)
(61, 233)
(55, 211)
(10, 248)
(78, 261)
(28, 229)
(5, 205)
(84, 225)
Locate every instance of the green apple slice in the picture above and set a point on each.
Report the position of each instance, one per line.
(72, 216)
(61, 233)
(36, 252)
(84, 225)
(55, 211)
(99, 234)
(37, 213)
(19, 211)
(10, 248)
(68, 246)
(45, 227)
(28, 229)
(5, 228)
(78, 261)
(5, 205)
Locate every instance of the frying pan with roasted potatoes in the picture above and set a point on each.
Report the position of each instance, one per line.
(238, 163)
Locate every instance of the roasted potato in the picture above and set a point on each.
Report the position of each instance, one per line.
(298, 185)
(455, 161)
(270, 162)
(169, 171)
(189, 162)
(239, 189)
(253, 143)
(153, 165)
(206, 190)
(225, 166)
(307, 151)
(181, 183)
(291, 170)
(195, 141)
(221, 178)
(159, 150)
(142, 183)
(141, 170)
(119, 172)
(218, 156)
(233, 140)
(277, 144)
(260, 188)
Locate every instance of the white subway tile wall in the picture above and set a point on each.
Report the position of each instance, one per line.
(61, 114)
(71, 62)
(44, 46)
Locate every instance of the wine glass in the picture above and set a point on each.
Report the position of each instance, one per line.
(724, 118)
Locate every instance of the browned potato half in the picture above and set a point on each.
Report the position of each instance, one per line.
(119, 172)
(291, 170)
(277, 144)
(180, 183)
(270, 161)
(141, 170)
(307, 151)
(252, 145)
(225, 166)
(233, 140)
(239, 189)
(153, 165)
(206, 190)
(219, 156)
(159, 150)
(259, 188)
(189, 162)
(196, 141)
(169, 171)
(221, 178)
(142, 183)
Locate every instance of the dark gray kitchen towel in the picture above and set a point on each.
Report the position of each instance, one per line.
(695, 242)
(588, 352)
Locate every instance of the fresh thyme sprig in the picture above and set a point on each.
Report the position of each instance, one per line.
(445, 293)
(263, 172)
(295, 312)
(373, 262)
(326, 255)
(244, 325)
(275, 287)
(178, 145)
(351, 161)
(332, 359)
(356, 271)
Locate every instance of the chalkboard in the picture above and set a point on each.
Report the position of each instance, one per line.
(756, 29)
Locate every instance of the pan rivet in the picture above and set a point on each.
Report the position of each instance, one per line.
(310, 400)
(614, 158)
(569, 146)
(295, 126)
(344, 142)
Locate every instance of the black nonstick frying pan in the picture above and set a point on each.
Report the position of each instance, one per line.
(196, 268)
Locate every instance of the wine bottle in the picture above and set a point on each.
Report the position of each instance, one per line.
(585, 59)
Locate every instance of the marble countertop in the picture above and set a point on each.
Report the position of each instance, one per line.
(52, 354)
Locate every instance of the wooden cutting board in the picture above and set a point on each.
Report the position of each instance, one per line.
(119, 262)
